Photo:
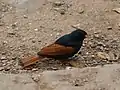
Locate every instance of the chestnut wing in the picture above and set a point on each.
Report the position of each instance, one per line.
(55, 50)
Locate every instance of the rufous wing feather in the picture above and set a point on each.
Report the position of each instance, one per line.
(55, 49)
(29, 61)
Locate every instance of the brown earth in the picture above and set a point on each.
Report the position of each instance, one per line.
(28, 25)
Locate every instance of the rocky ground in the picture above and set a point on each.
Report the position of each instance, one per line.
(28, 25)
(91, 78)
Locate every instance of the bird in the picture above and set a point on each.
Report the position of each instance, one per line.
(63, 48)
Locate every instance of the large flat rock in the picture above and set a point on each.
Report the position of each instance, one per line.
(96, 78)
(16, 82)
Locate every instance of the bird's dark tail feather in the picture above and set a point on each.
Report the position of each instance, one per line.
(30, 61)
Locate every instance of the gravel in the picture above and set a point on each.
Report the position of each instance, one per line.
(25, 30)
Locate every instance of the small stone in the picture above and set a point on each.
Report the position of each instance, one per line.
(34, 69)
(68, 68)
(7, 27)
(33, 41)
(96, 32)
(3, 53)
(81, 10)
(51, 35)
(53, 68)
(101, 48)
(35, 78)
(109, 27)
(92, 56)
(14, 25)
(75, 26)
(14, 58)
(25, 16)
(3, 58)
(5, 42)
(61, 11)
(29, 23)
(96, 35)
(58, 3)
(4, 64)
(117, 10)
(113, 56)
(58, 34)
(36, 29)
(11, 33)
(87, 53)
(1, 68)
(7, 68)
(101, 44)
(103, 55)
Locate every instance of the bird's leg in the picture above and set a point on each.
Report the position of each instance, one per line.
(76, 55)
(73, 61)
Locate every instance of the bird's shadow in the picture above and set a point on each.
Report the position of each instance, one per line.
(53, 64)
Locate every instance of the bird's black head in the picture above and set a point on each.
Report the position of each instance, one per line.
(78, 35)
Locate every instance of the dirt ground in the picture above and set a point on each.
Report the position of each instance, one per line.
(28, 25)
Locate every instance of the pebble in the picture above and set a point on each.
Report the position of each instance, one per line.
(54, 68)
(92, 56)
(7, 27)
(5, 42)
(3, 53)
(4, 64)
(109, 27)
(81, 10)
(58, 34)
(25, 16)
(96, 35)
(75, 26)
(7, 68)
(33, 41)
(68, 68)
(101, 48)
(51, 35)
(61, 11)
(101, 44)
(103, 55)
(36, 29)
(3, 58)
(87, 53)
(11, 33)
(34, 69)
(35, 78)
(113, 56)
(1, 68)
(14, 25)
(58, 3)
(117, 10)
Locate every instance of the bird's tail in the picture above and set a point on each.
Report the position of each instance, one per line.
(30, 61)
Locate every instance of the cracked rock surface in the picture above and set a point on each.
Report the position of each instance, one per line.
(90, 78)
